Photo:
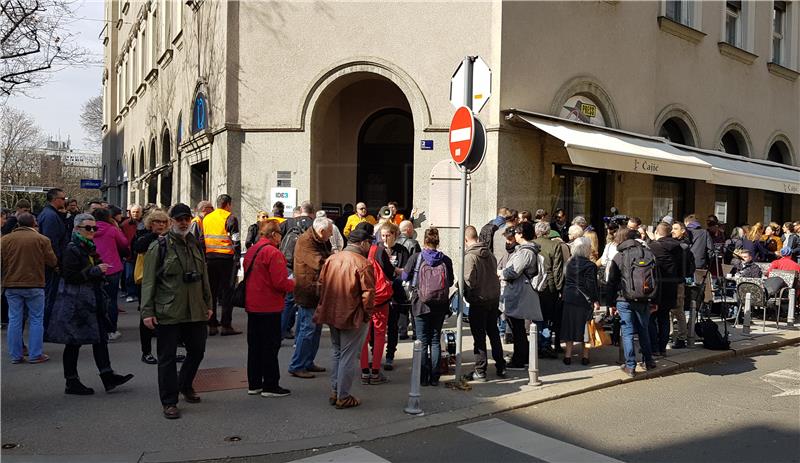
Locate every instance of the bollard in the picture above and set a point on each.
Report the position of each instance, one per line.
(533, 357)
(746, 316)
(413, 407)
(790, 314)
(692, 321)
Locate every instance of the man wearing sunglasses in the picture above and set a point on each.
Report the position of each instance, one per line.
(361, 215)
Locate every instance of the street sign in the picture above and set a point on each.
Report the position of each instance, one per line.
(91, 184)
(288, 196)
(467, 139)
(462, 129)
(481, 85)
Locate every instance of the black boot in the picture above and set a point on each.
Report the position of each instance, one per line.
(112, 380)
(74, 386)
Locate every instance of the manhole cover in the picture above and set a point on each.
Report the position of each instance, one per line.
(220, 379)
(232, 439)
(9, 446)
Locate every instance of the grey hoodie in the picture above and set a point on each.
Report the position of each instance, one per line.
(480, 275)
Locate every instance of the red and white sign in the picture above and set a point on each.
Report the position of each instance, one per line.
(462, 133)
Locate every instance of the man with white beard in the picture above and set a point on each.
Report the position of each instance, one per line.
(175, 271)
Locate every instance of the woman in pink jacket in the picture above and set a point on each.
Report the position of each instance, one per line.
(267, 282)
(111, 244)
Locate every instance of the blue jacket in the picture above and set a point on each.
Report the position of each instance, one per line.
(52, 225)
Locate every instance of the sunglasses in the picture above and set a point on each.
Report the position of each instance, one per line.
(89, 228)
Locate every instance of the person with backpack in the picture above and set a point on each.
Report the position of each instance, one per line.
(313, 247)
(669, 259)
(290, 230)
(175, 271)
(631, 290)
(550, 293)
(520, 299)
(431, 274)
(482, 291)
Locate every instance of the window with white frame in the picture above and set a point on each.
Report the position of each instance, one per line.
(779, 32)
(733, 23)
(682, 11)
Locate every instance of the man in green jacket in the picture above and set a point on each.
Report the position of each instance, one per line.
(176, 302)
(550, 296)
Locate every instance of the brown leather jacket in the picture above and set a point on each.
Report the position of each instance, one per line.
(347, 290)
(310, 253)
(25, 254)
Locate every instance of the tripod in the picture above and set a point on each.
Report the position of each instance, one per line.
(717, 254)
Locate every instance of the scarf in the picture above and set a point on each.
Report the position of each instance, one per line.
(87, 244)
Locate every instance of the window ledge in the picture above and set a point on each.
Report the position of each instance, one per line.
(119, 24)
(736, 53)
(104, 128)
(782, 71)
(178, 39)
(140, 89)
(126, 6)
(105, 41)
(680, 30)
(132, 102)
(152, 76)
(165, 58)
(124, 110)
(118, 119)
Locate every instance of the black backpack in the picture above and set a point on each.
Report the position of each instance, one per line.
(712, 339)
(288, 244)
(639, 274)
(486, 234)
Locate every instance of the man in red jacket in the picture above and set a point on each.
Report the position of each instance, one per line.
(784, 263)
(267, 280)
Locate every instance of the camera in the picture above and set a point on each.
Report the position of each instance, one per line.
(192, 277)
(616, 217)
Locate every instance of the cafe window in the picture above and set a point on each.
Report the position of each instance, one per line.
(668, 198)
(727, 206)
(773, 207)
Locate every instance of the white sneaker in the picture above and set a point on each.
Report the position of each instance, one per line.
(114, 336)
(253, 391)
(130, 299)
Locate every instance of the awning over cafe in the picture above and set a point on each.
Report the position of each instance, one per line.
(604, 148)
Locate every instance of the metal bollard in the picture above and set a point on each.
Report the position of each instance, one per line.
(746, 315)
(533, 357)
(413, 407)
(692, 320)
(790, 315)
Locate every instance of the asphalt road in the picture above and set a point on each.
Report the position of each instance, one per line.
(741, 410)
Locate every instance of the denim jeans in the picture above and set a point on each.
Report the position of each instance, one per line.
(306, 341)
(289, 314)
(635, 318)
(429, 333)
(112, 291)
(18, 300)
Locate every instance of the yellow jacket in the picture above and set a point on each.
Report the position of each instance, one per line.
(215, 233)
(354, 220)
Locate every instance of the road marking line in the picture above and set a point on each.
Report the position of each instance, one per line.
(787, 380)
(347, 455)
(533, 444)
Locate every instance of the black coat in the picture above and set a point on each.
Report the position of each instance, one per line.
(580, 283)
(669, 258)
(79, 315)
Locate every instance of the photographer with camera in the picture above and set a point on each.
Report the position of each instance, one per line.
(176, 302)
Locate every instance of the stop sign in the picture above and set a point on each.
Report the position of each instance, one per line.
(462, 132)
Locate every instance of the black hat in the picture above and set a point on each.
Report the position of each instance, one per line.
(180, 210)
(385, 212)
(367, 227)
(359, 235)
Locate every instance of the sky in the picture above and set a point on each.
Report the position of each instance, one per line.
(56, 107)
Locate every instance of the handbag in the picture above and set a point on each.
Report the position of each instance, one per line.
(138, 269)
(597, 335)
(410, 287)
(240, 292)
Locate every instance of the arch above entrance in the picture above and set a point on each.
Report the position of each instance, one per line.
(345, 73)
(590, 87)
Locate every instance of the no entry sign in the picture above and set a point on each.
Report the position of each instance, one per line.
(467, 139)
(462, 130)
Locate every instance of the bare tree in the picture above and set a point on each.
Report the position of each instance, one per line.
(92, 121)
(20, 139)
(35, 42)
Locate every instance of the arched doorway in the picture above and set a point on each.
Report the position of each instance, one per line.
(386, 159)
(362, 138)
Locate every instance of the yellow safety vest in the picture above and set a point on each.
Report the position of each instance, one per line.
(214, 232)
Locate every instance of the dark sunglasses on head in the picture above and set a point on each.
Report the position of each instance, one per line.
(89, 228)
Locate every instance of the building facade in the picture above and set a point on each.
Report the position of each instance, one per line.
(349, 101)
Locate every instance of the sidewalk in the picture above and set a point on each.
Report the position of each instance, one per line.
(127, 426)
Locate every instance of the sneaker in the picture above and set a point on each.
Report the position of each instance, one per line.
(130, 299)
(114, 336)
(254, 391)
(149, 359)
(679, 344)
(18, 361)
(477, 377)
(365, 379)
(277, 392)
(378, 378)
(41, 359)
(388, 364)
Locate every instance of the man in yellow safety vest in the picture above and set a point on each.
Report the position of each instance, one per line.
(223, 248)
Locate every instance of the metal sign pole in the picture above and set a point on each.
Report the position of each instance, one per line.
(467, 63)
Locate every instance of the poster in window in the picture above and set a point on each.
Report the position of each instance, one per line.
(721, 211)
(767, 215)
(581, 108)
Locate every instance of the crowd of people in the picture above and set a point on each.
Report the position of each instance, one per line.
(369, 280)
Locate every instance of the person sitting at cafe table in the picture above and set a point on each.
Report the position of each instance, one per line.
(746, 267)
(784, 263)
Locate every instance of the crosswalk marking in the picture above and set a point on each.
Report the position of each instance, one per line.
(533, 444)
(348, 455)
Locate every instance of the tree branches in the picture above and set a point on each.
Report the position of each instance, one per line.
(92, 121)
(34, 42)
